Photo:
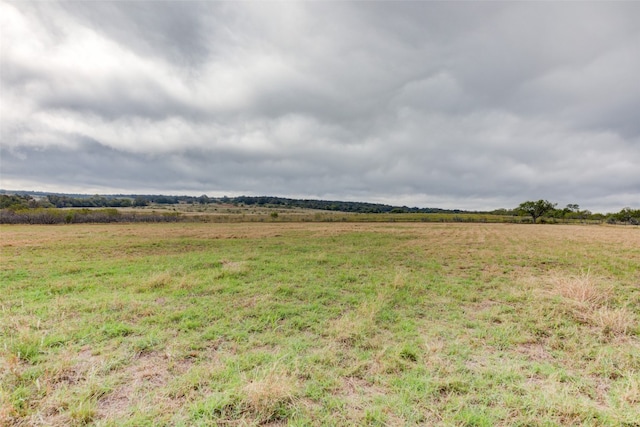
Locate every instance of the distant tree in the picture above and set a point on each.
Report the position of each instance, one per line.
(165, 200)
(571, 211)
(140, 201)
(585, 214)
(536, 209)
(628, 215)
(502, 211)
(15, 202)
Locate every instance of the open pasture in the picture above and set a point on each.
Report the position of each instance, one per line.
(320, 324)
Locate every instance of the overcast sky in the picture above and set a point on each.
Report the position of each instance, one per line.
(471, 105)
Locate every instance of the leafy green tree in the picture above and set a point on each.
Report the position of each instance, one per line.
(15, 202)
(140, 201)
(536, 209)
(628, 215)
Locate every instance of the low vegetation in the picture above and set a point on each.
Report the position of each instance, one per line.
(59, 209)
(319, 324)
(80, 216)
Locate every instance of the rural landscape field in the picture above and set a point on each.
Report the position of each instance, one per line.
(340, 324)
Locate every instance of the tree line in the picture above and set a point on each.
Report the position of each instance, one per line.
(24, 208)
(543, 209)
(26, 200)
(66, 201)
(330, 205)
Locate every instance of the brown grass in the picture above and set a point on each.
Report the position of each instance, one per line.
(582, 289)
(589, 301)
(357, 327)
(157, 281)
(234, 267)
(619, 321)
(631, 392)
(359, 394)
(264, 396)
(146, 376)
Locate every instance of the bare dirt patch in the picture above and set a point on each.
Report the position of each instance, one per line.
(142, 385)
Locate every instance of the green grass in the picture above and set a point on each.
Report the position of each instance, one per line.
(320, 324)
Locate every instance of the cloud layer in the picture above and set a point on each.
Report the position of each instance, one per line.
(457, 105)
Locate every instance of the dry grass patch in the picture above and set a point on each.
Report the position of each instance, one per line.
(589, 302)
(582, 289)
(630, 391)
(234, 267)
(434, 354)
(614, 320)
(400, 279)
(358, 327)
(142, 386)
(359, 396)
(265, 397)
(157, 281)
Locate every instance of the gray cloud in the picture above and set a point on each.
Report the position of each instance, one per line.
(462, 105)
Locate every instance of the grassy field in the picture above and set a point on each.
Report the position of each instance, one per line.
(320, 324)
(230, 214)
